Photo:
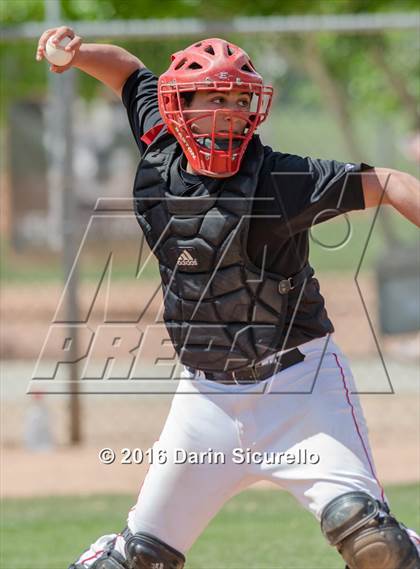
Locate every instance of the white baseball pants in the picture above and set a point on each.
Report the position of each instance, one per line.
(302, 429)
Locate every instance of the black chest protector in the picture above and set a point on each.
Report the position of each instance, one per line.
(221, 311)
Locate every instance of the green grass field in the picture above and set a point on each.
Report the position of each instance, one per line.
(257, 529)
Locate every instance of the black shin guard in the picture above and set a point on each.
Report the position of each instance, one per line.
(366, 534)
(144, 551)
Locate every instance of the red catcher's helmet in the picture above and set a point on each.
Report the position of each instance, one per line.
(216, 65)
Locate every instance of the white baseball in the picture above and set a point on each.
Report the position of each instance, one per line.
(56, 54)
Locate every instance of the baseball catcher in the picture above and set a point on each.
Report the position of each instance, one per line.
(227, 218)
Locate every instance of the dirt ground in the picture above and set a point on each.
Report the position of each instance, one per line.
(135, 422)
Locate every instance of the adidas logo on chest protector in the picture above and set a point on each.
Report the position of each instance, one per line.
(185, 258)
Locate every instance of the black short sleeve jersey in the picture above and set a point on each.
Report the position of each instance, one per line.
(139, 97)
(293, 194)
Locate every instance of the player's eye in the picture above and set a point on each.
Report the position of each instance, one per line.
(221, 100)
(218, 100)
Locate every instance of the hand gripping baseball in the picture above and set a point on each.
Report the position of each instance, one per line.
(54, 36)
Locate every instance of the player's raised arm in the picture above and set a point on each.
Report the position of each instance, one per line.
(395, 188)
(110, 64)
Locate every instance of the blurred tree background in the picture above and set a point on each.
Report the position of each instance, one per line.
(351, 73)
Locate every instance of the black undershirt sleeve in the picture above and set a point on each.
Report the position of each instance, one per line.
(310, 191)
(139, 96)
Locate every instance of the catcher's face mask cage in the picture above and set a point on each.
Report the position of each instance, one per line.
(214, 140)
